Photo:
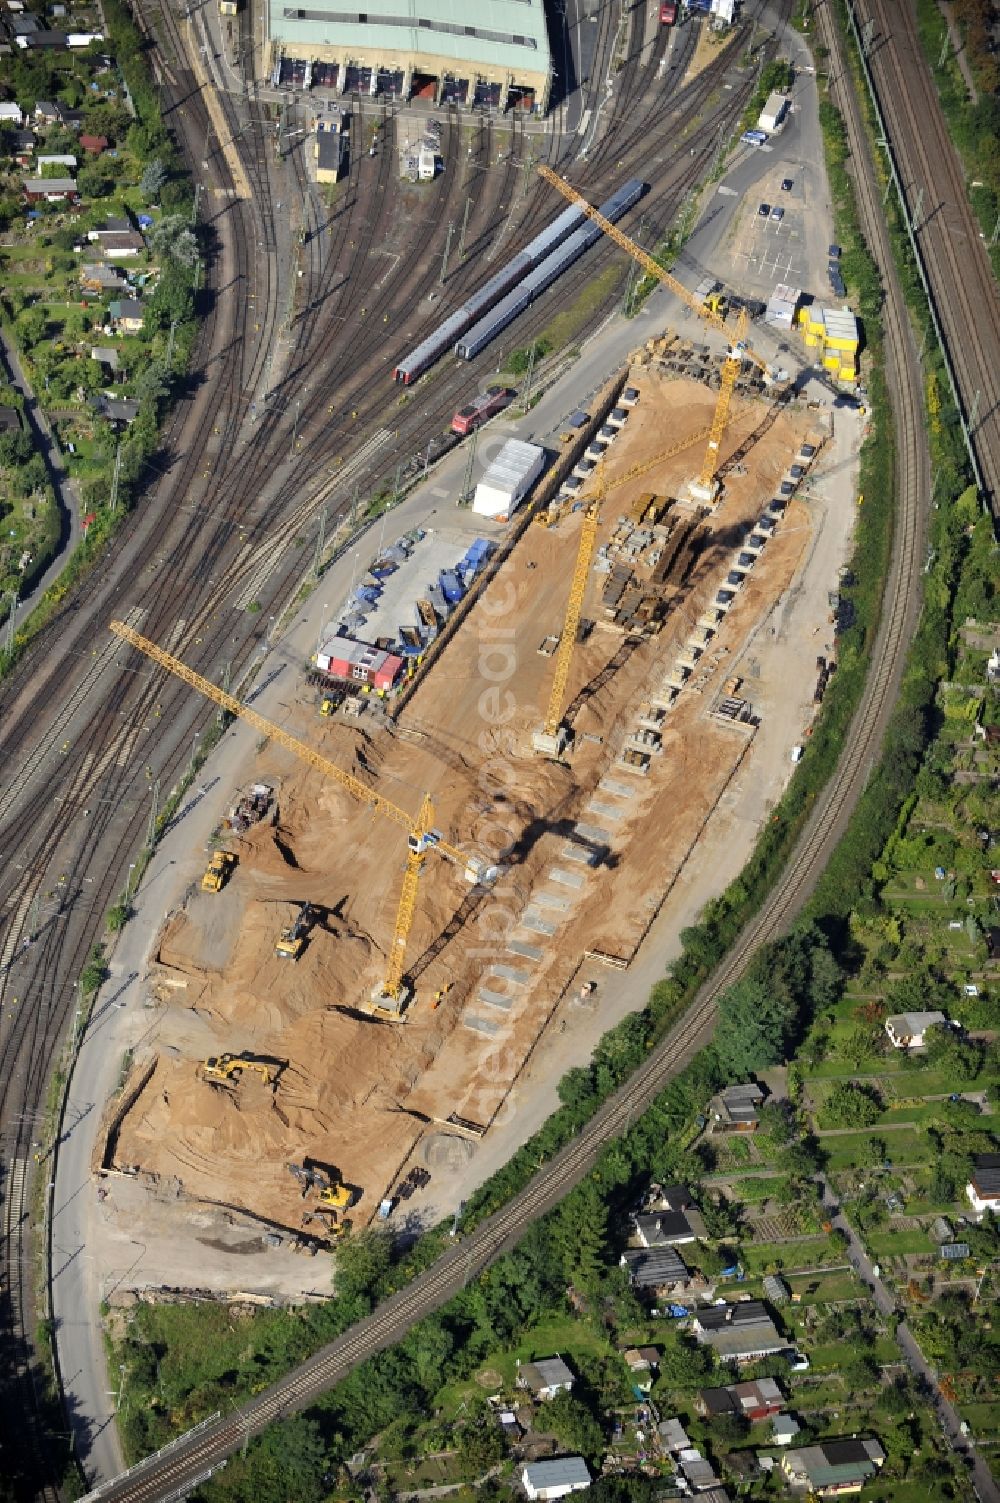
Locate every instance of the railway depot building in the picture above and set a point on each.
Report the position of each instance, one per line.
(494, 53)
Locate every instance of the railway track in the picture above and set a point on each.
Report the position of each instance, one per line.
(231, 489)
(158, 1478)
(962, 285)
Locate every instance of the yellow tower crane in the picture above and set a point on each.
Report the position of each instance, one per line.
(391, 997)
(705, 487)
(553, 738)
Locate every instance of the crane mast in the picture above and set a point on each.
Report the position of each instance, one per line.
(422, 837)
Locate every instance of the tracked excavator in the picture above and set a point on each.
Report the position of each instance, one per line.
(229, 1067)
(292, 939)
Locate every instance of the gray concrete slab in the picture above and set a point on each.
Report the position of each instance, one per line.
(511, 973)
(481, 1025)
(494, 999)
(568, 879)
(521, 947)
(580, 853)
(537, 924)
(593, 833)
(550, 900)
(614, 787)
(609, 811)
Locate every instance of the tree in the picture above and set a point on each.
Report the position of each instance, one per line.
(852, 1105)
(573, 1424)
(173, 236)
(31, 327)
(153, 178)
(952, 1054)
(684, 1364)
(579, 1233)
(98, 178)
(480, 1445)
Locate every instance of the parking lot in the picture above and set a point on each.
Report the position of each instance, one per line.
(768, 242)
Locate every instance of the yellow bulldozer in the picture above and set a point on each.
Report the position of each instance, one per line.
(218, 871)
(230, 1067)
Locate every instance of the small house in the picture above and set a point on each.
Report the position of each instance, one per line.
(10, 420)
(776, 1289)
(555, 1479)
(983, 1188)
(345, 658)
(656, 1269)
(107, 356)
(784, 1428)
(10, 112)
(127, 316)
(735, 1108)
(673, 1436)
(22, 147)
(697, 1470)
(46, 112)
(753, 1401)
(50, 190)
(906, 1030)
(833, 1468)
(94, 145)
(545, 1378)
(97, 278)
(667, 1228)
(738, 1332)
(117, 410)
(331, 156)
(122, 245)
(58, 160)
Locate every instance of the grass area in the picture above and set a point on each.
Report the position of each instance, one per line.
(563, 1334)
(763, 1257)
(566, 325)
(852, 1151)
(895, 1244)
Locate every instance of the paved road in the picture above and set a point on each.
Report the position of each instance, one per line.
(67, 498)
(948, 1415)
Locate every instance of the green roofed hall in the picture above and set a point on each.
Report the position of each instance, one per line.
(493, 53)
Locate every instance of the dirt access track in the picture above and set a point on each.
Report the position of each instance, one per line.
(588, 849)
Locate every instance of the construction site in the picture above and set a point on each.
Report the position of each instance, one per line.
(414, 883)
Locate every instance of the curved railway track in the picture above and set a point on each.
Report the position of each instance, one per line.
(195, 1455)
(72, 719)
(963, 288)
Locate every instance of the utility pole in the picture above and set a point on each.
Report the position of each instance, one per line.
(447, 248)
(526, 396)
(320, 541)
(154, 810)
(944, 50)
(974, 412)
(395, 492)
(220, 713)
(295, 426)
(354, 503)
(9, 645)
(170, 343)
(467, 483)
(194, 207)
(996, 232)
(867, 36)
(465, 221)
(113, 502)
(918, 210)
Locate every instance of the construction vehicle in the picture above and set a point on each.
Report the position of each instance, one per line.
(292, 939)
(705, 487)
(391, 996)
(327, 706)
(334, 1196)
(218, 871)
(230, 1067)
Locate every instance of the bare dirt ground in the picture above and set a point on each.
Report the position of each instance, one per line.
(366, 1097)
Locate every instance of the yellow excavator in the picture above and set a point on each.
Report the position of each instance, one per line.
(334, 1196)
(218, 871)
(292, 939)
(231, 1066)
